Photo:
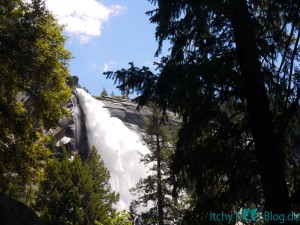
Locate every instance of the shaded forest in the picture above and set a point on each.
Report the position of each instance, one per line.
(232, 76)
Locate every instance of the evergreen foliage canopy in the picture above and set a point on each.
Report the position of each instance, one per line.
(74, 193)
(233, 77)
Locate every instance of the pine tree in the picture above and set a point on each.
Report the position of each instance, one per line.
(156, 188)
(74, 193)
(103, 93)
(100, 176)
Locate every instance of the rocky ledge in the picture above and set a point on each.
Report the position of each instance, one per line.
(13, 212)
(127, 112)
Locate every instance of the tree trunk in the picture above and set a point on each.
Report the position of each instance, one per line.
(159, 185)
(269, 155)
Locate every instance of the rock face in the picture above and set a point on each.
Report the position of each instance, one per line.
(72, 131)
(76, 129)
(126, 111)
(13, 212)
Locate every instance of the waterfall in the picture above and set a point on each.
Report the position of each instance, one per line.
(118, 146)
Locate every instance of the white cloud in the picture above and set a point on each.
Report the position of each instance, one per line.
(107, 66)
(83, 18)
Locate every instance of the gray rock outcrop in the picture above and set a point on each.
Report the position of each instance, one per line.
(13, 212)
(72, 131)
(126, 111)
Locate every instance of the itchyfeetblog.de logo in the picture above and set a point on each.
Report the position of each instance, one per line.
(248, 215)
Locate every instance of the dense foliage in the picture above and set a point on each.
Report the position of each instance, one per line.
(233, 77)
(74, 193)
(33, 73)
(120, 218)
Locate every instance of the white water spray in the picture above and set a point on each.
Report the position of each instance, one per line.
(118, 146)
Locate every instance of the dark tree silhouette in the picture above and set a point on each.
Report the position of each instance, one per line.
(233, 77)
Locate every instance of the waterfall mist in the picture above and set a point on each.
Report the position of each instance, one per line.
(118, 146)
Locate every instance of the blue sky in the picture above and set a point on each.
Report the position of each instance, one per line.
(105, 35)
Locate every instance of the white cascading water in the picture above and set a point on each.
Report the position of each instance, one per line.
(118, 146)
